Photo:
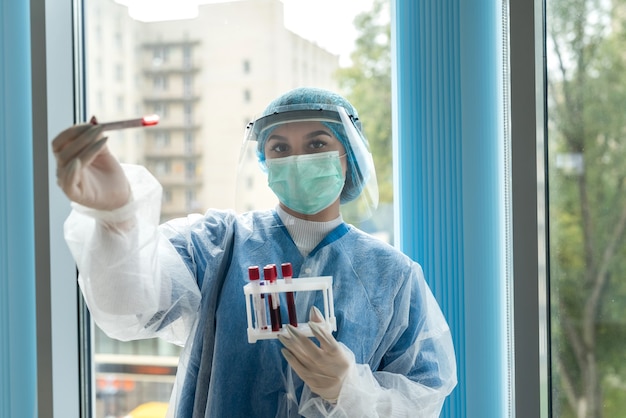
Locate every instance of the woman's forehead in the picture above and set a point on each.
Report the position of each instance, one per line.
(300, 129)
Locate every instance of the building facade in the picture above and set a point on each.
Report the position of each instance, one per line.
(206, 78)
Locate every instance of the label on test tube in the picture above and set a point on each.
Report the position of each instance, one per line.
(259, 305)
(291, 304)
(269, 274)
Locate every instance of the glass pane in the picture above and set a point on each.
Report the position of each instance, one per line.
(206, 77)
(587, 204)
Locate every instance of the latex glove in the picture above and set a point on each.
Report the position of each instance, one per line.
(322, 368)
(87, 172)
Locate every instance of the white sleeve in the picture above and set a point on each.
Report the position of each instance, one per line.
(134, 282)
(390, 393)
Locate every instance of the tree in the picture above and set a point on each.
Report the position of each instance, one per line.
(367, 84)
(587, 90)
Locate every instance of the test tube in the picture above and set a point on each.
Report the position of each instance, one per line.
(259, 306)
(273, 301)
(291, 304)
(149, 120)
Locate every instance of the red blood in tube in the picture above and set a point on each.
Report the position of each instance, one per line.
(291, 304)
(269, 272)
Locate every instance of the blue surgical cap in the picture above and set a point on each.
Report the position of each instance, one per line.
(316, 96)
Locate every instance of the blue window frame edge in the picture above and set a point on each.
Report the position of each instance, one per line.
(54, 107)
(57, 369)
(17, 284)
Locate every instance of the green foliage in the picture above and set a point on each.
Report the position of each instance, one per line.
(587, 95)
(367, 84)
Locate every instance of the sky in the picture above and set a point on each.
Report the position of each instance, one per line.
(328, 23)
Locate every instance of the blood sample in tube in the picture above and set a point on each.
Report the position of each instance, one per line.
(291, 304)
(269, 273)
(259, 305)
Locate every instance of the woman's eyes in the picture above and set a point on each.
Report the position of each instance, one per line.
(316, 144)
(279, 147)
(313, 145)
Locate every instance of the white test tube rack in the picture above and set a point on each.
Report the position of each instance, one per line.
(305, 284)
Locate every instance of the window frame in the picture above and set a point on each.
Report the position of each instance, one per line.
(529, 212)
(56, 90)
(60, 366)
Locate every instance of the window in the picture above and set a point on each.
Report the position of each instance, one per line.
(161, 109)
(190, 170)
(187, 85)
(188, 113)
(58, 214)
(189, 143)
(187, 56)
(159, 55)
(162, 168)
(585, 164)
(119, 385)
(159, 82)
(161, 139)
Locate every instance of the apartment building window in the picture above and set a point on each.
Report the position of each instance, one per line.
(187, 57)
(190, 170)
(189, 143)
(246, 66)
(161, 109)
(188, 113)
(167, 196)
(160, 55)
(247, 96)
(162, 168)
(187, 85)
(161, 139)
(160, 82)
(190, 199)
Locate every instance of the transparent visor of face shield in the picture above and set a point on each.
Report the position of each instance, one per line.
(278, 150)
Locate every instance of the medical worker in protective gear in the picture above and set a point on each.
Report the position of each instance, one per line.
(391, 355)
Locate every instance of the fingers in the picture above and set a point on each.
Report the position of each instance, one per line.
(299, 344)
(68, 135)
(327, 341)
(316, 321)
(83, 146)
(315, 314)
(88, 154)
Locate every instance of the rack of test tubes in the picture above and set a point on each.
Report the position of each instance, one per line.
(262, 296)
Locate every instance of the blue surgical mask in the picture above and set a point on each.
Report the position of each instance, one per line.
(307, 183)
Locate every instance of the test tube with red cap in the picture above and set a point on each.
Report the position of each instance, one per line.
(269, 273)
(149, 120)
(291, 304)
(259, 306)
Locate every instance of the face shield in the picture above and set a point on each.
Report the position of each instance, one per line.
(298, 142)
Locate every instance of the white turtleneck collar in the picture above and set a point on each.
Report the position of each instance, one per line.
(306, 234)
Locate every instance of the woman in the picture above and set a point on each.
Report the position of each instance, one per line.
(391, 354)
